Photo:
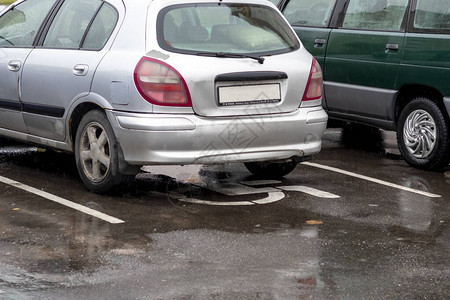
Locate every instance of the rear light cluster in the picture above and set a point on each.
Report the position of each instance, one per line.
(314, 87)
(161, 84)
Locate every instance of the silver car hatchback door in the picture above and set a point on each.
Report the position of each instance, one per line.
(61, 72)
(236, 58)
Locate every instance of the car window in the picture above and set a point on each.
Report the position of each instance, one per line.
(234, 28)
(70, 24)
(309, 12)
(101, 28)
(20, 25)
(432, 14)
(375, 14)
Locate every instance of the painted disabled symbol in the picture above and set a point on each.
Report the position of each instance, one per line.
(232, 189)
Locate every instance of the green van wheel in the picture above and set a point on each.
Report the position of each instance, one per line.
(423, 135)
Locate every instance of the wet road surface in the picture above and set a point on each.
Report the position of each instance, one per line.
(356, 222)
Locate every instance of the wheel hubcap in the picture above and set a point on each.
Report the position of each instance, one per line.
(419, 133)
(95, 152)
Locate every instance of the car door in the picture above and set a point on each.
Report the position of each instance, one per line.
(18, 29)
(363, 58)
(426, 58)
(311, 20)
(61, 68)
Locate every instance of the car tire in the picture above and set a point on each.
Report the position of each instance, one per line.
(423, 135)
(270, 169)
(96, 153)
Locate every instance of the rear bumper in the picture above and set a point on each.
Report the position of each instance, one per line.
(189, 139)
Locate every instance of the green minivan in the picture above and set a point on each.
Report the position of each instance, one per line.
(386, 63)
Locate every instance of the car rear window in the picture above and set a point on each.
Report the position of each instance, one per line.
(231, 28)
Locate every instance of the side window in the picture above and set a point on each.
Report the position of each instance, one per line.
(20, 25)
(432, 15)
(375, 14)
(309, 12)
(70, 24)
(101, 29)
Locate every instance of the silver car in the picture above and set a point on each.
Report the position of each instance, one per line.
(122, 84)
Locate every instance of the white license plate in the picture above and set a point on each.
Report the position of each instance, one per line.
(249, 94)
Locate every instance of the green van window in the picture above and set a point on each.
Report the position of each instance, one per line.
(386, 15)
(432, 14)
(309, 12)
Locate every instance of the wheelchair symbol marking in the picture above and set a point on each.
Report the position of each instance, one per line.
(274, 194)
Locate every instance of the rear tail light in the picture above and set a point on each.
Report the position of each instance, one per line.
(314, 87)
(161, 84)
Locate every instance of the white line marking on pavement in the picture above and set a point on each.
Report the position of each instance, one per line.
(382, 182)
(60, 200)
(178, 195)
(273, 197)
(235, 189)
(308, 190)
(214, 203)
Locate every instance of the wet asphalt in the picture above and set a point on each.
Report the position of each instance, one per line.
(356, 222)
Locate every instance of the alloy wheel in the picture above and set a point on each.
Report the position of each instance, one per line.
(95, 152)
(420, 133)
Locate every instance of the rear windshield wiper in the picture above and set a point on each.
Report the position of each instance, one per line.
(232, 55)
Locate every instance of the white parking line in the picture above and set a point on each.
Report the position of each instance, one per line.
(235, 189)
(309, 191)
(62, 201)
(273, 196)
(180, 196)
(382, 182)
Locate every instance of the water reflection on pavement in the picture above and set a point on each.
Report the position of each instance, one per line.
(371, 242)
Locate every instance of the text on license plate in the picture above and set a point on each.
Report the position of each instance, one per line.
(249, 94)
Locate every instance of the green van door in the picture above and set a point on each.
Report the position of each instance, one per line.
(363, 58)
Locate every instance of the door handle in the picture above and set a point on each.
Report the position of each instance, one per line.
(14, 65)
(392, 47)
(320, 42)
(80, 70)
